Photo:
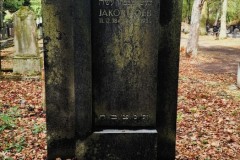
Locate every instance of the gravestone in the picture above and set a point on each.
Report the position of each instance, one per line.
(26, 57)
(111, 78)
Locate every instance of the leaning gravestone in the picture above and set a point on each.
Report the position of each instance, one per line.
(111, 78)
(26, 57)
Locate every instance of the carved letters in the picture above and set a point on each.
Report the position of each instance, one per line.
(111, 10)
(126, 117)
(118, 3)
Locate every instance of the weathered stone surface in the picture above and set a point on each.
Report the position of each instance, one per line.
(119, 145)
(59, 73)
(25, 39)
(26, 65)
(168, 63)
(125, 54)
(83, 68)
(111, 65)
(26, 56)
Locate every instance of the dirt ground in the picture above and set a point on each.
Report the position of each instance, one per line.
(220, 56)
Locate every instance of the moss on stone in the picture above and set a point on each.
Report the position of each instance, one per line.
(24, 12)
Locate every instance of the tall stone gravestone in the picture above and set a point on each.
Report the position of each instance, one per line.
(26, 57)
(111, 78)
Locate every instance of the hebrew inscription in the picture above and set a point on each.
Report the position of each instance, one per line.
(126, 117)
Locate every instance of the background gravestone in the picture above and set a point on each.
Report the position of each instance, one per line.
(26, 57)
(111, 78)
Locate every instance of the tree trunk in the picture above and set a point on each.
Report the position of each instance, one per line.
(204, 18)
(223, 30)
(192, 45)
(218, 14)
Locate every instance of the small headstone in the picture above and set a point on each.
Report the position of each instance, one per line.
(26, 57)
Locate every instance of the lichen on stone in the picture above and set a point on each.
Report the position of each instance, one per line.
(24, 12)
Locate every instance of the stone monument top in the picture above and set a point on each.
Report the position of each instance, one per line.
(26, 57)
(25, 39)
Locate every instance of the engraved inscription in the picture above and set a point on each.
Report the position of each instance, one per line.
(113, 117)
(125, 117)
(111, 10)
(118, 3)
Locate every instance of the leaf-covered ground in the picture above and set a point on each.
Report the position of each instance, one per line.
(208, 118)
(208, 121)
(22, 120)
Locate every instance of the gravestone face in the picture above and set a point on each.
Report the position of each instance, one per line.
(114, 95)
(26, 57)
(125, 54)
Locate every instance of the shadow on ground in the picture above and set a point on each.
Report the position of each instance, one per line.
(222, 59)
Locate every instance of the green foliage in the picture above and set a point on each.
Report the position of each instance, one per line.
(202, 107)
(12, 5)
(7, 120)
(186, 10)
(36, 7)
(179, 117)
(193, 110)
(18, 146)
(14, 112)
(214, 7)
(38, 128)
(233, 11)
(8, 17)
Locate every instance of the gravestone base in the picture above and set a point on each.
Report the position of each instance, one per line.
(119, 145)
(27, 65)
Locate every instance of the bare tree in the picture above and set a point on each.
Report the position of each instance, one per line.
(223, 30)
(192, 45)
(218, 14)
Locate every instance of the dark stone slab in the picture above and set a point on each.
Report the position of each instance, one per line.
(119, 145)
(83, 67)
(168, 64)
(59, 72)
(111, 66)
(125, 54)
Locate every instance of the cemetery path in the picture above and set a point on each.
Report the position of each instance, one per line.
(216, 56)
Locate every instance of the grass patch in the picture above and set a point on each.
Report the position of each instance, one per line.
(179, 117)
(38, 128)
(6, 122)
